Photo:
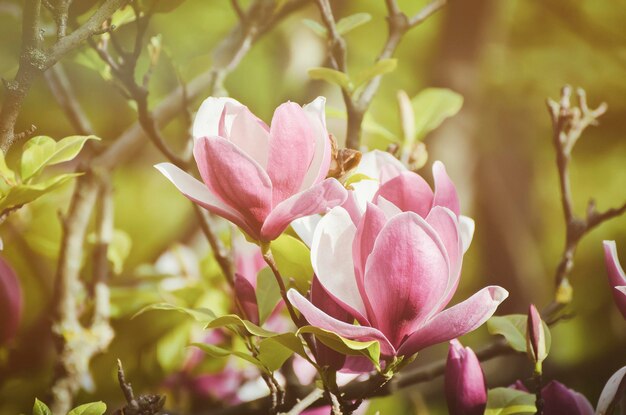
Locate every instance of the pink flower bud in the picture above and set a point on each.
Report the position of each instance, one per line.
(617, 276)
(10, 302)
(465, 389)
(535, 336)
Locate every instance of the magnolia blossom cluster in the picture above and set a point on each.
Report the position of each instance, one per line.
(387, 252)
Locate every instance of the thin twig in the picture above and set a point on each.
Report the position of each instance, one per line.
(568, 123)
(307, 401)
(34, 60)
(269, 260)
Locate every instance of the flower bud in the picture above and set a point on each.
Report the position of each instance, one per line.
(10, 303)
(617, 276)
(535, 338)
(560, 400)
(465, 389)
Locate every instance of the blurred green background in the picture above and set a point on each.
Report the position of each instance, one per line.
(504, 56)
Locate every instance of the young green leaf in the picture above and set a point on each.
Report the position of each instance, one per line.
(315, 27)
(216, 351)
(332, 76)
(170, 348)
(351, 22)
(267, 293)
(369, 349)
(6, 174)
(381, 67)
(42, 151)
(202, 315)
(505, 401)
(293, 260)
(92, 408)
(40, 408)
(24, 193)
(235, 320)
(274, 351)
(432, 106)
(513, 328)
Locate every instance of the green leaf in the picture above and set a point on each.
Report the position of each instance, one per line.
(218, 352)
(40, 408)
(332, 76)
(42, 151)
(274, 351)
(119, 249)
(93, 408)
(506, 401)
(432, 106)
(202, 315)
(123, 16)
(267, 293)
(370, 125)
(351, 22)
(293, 259)
(89, 58)
(24, 193)
(235, 320)
(381, 67)
(315, 27)
(369, 349)
(355, 178)
(161, 6)
(513, 328)
(6, 174)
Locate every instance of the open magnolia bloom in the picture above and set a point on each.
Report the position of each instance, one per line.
(617, 276)
(395, 268)
(260, 178)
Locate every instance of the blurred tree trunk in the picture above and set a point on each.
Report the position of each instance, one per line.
(485, 156)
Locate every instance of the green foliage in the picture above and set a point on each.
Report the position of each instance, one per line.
(201, 315)
(93, 408)
(293, 260)
(381, 67)
(267, 293)
(369, 349)
(506, 401)
(431, 107)
(42, 151)
(343, 26)
(513, 328)
(40, 408)
(38, 153)
(333, 77)
(235, 322)
(275, 350)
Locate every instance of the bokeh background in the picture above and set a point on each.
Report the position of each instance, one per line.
(504, 56)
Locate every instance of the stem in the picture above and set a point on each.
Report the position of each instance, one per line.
(269, 260)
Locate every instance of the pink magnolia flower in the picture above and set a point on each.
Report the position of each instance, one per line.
(466, 393)
(617, 277)
(10, 302)
(395, 270)
(260, 178)
(558, 399)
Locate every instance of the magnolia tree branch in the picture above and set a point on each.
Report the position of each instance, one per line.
(568, 123)
(77, 344)
(35, 60)
(398, 24)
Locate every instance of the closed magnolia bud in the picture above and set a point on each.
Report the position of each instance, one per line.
(560, 400)
(535, 337)
(10, 303)
(465, 389)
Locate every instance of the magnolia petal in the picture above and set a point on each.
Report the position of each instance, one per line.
(318, 170)
(455, 321)
(466, 230)
(235, 177)
(445, 191)
(331, 257)
(207, 120)
(249, 134)
(197, 192)
(389, 209)
(292, 147)
(247, 298)
(465, 388)
(409, 192)
(368, 229)
(364, 191)
(445, 223)
(305, 227)
(318, 199)
(617, 277)
(374, 162)
(324, 355)
(405, 276)
(559, 399)
(318, 318)
(611, 388)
